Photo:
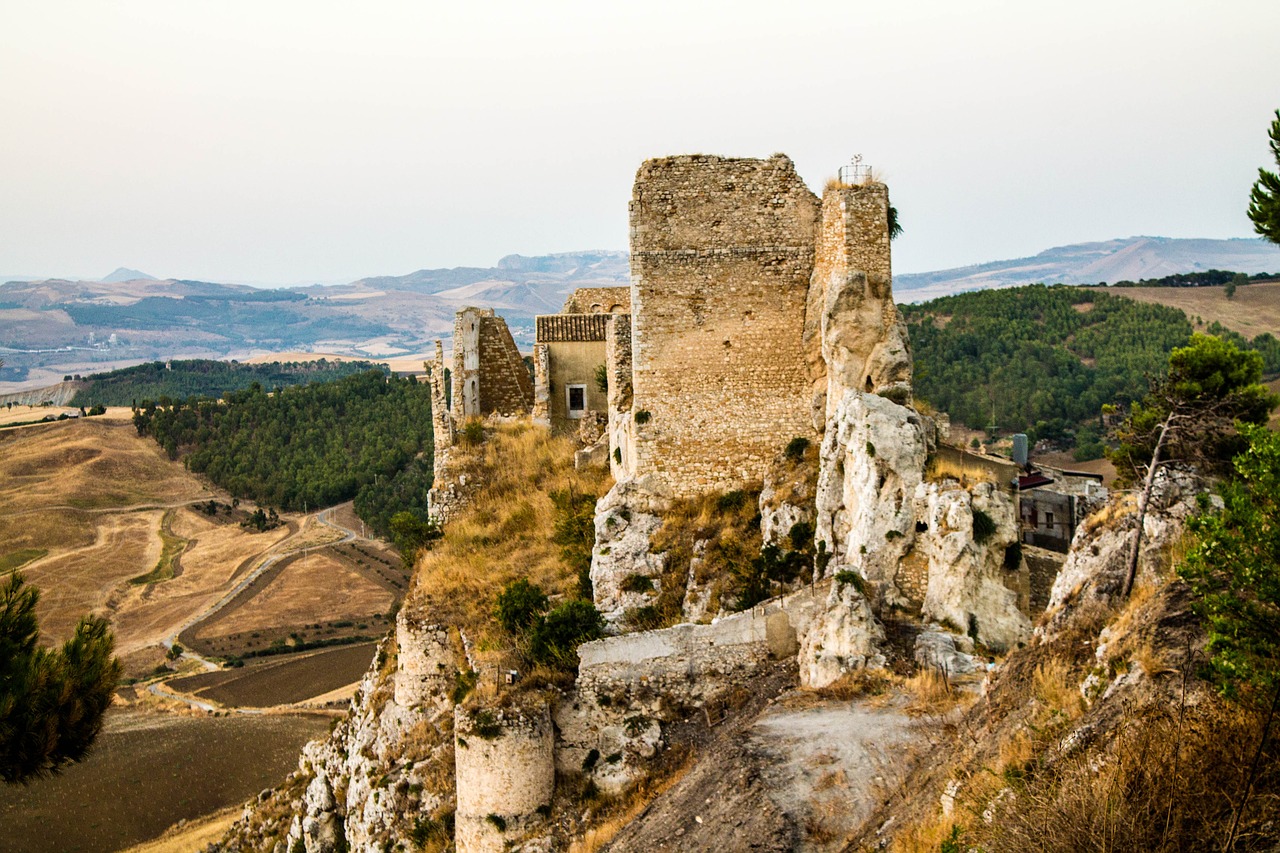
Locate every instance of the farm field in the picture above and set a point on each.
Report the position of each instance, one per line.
(283, 679)
(1253, 310)
(149, 771)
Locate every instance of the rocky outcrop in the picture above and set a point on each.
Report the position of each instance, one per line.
(969, 531)
(1098, 562)
(871, 462)
(627, 517)
(842, 637)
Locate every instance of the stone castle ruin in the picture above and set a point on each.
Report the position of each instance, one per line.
(759, 317)
(487, 377)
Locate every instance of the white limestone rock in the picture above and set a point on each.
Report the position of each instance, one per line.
(872, 460)
(626, 520)
(842, 637)
(1098, 562)
(939, 649)
(965, 586)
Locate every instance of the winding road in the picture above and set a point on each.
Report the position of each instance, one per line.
(278, 552)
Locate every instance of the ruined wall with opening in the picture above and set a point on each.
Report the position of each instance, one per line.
(489, 376)
(598, 300)
(722, 254)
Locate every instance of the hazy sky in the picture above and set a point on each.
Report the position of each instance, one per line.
(285, 142)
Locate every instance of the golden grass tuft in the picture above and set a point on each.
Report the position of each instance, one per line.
(931, 692)
(1056, 688)
(503, 534)
(620, 811)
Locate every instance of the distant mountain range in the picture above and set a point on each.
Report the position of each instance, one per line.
(54, 327)
(1130, 258)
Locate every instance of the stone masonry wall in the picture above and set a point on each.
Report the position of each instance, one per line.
(721, 259)
(505, 384)
(853, 335)
(506, 768)
(617, 359)
(598, 300)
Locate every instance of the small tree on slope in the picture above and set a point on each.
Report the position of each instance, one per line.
(51, 701)
(1190, 416)
(1264, 201)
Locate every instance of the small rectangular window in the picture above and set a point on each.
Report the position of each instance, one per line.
(577, 399)
(1048, 520)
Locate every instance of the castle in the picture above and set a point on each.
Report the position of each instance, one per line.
(753, 305)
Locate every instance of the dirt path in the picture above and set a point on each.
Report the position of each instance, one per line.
(833, 763)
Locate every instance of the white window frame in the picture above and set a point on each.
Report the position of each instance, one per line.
(575, 414)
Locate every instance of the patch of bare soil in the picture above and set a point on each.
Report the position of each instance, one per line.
(832, 763)
(148, 771)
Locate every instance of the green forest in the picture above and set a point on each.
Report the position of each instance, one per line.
(177, 380)
(366, 437)
(1038, 359)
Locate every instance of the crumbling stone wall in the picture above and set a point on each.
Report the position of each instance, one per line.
(721, 258)
(598, 300)
(617, 360)
(425, 663)
(505, 765)
(488, 373)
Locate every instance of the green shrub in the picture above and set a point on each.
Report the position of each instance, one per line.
(796, 448)
(852, 579)
(486, 726)
(602, 378)
(984, 527)
(473, 432)
(643, 417)
(644, 618)
(871, 450)
(519, 606)
(555, 638)
(731, 501)
(637, 583)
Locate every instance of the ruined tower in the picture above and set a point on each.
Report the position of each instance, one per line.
(722, 252)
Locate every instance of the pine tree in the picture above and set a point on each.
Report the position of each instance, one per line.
(1264, 201)
(51, 701)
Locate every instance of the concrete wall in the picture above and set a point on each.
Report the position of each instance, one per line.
(721, 258)
(691, 663)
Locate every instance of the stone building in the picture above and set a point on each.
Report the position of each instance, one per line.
(488, 376)
(568, 354)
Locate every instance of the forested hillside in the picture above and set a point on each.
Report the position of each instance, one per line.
(366, 437)
(1044, 360)
(178, 380)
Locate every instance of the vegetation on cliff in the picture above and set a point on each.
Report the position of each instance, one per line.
(366, 437)
(507, 569)
(177, 380)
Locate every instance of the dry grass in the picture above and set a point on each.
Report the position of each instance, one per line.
(1254, 309)
(620, 811)
(858, 684)
(504, 534)
(931, 692)
(725, 524)
(1057, 689)
(925, 837)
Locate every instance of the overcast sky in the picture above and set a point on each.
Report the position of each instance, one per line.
(283, 142)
